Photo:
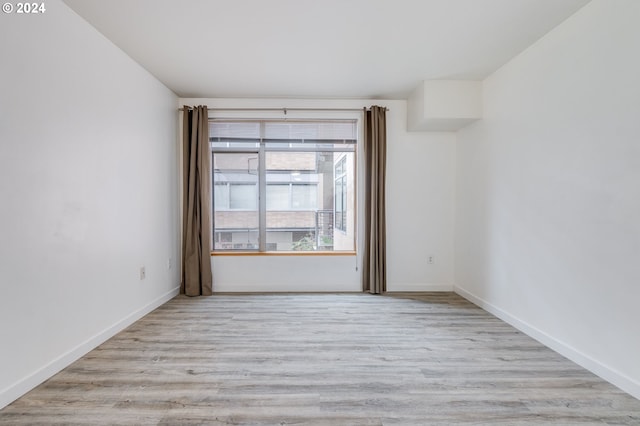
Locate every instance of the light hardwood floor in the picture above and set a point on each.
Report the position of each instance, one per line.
(323, 359)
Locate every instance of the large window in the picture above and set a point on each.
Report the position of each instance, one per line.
(275, 185)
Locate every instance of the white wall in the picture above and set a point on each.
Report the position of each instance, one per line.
(420, 205)
(548, 199)
(88, 193)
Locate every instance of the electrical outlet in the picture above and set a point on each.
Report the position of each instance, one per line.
(430, 259)
(143, 273)
(169, 263)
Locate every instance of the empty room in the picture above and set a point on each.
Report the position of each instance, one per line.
(358, 212)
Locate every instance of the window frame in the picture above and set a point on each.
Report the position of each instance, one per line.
(261, 146)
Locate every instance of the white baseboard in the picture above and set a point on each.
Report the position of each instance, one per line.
(418, 287)
(15, 391)
(322, 288)
(607, 373)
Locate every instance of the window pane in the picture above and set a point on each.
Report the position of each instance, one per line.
(293, 225)
(344, 202)
(235, 195)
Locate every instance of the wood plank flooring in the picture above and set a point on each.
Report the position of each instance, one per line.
(323, 359)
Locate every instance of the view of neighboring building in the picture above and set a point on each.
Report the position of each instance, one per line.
(283, 186)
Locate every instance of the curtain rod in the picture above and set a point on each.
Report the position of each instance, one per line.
(284, 109)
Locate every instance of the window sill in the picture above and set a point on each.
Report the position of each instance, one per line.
(283, 253)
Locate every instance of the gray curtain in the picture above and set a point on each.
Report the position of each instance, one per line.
(374, 262)
(196, 212)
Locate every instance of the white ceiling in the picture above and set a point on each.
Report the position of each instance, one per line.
(320, 48)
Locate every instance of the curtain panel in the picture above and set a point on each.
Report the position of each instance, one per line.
(374, 262)
(196, 212)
